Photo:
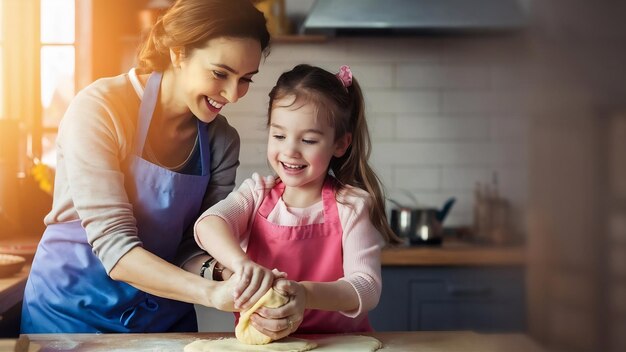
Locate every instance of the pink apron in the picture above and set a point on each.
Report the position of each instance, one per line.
(306, 253)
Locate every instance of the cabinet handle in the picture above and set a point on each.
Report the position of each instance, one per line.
(469, 291)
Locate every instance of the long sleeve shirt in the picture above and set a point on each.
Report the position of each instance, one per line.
(95, 137)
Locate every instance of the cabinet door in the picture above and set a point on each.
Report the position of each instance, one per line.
(453, 303)
(481, 299)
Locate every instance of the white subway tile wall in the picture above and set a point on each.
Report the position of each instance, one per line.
(444, 114)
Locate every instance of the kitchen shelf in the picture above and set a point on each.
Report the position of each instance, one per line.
(299, 39)
(280, 38)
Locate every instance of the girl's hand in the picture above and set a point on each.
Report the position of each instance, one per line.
(254, 281)
(266, 182)
(280, 322)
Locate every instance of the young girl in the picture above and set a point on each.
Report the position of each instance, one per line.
(323, 222)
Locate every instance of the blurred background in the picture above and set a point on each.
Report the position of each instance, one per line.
(516, 109)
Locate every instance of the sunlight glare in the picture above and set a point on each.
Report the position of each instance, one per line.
(57, 21)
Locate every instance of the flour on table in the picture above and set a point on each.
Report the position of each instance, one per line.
(290, 344)
(352, 343)
(341, 343)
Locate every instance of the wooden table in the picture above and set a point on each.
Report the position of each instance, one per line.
(448, 341)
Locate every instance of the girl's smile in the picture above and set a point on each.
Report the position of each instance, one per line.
(292, 169)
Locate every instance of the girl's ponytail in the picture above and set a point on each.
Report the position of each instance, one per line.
(354, 169)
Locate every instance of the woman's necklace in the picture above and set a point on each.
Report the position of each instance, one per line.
(152, 157)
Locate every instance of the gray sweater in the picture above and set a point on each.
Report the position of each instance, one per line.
(95, 137)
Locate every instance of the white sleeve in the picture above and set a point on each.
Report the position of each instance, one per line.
(362, 244)
(239, 207)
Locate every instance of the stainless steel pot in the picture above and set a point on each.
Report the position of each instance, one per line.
(419, 225)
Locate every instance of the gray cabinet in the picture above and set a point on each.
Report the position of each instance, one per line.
(451, 298)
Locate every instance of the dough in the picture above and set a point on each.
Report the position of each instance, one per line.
(245, 332)
(233, 345)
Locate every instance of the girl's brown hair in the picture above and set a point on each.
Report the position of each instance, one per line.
(344, 110)
(189, 24)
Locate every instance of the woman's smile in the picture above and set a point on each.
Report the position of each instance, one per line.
(213, 105)
(217, 74)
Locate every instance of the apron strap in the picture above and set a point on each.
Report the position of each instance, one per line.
(272, 198)
(331, 213)
(146, 109)
(328, 199)
(205, 148)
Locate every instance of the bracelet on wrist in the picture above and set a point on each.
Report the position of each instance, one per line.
(206, 270)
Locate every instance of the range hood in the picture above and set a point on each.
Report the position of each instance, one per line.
(337, 17)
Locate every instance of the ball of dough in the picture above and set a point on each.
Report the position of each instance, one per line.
(245, 332)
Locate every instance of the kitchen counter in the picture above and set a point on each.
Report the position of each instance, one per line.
(449, 254)
(447, 341)
(454, 253)
(12, 289)
(459, 285)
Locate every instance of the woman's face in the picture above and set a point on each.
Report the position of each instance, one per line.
(218, 74)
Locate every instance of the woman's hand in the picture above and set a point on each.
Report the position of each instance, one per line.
(222, 294)
(280, 322)
(254, 281)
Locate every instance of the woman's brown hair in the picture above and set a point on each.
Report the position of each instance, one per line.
(189, 24)
(343, 108)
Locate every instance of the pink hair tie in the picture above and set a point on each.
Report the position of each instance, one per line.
(345, 76)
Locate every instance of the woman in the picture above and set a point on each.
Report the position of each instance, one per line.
(140, 156)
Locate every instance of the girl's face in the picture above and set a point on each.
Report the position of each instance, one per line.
(218, 74)
(301, 145)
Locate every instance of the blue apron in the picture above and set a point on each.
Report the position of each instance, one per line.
(68, 289)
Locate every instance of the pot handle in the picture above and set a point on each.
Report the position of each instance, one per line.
(441, 214)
